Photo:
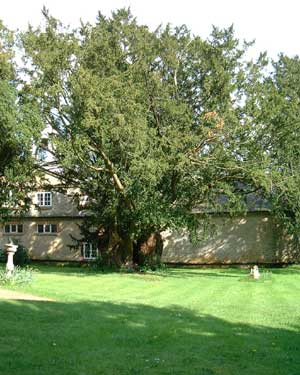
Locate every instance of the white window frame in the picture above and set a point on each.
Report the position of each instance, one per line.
(88, 249)
(47, 228)
(42, 201)
(16, 231)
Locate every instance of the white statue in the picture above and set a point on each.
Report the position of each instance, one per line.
(255, 273)
(10, 249)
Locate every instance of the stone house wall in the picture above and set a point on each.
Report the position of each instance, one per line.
(47, 246)
(62, 213)
(254, 238)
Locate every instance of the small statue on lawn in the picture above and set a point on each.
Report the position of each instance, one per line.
(10, 249)
(255, 273)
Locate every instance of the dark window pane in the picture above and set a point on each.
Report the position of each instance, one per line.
(40, 199)
(13, 228)
(40, 228)
(53, 228)
(7, 228)
(89, 250)
(47, 228)
(47, 199)
(94, 252)
(20, 228)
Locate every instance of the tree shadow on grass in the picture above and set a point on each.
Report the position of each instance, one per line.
(169, 272)
(232, 272)
(105, 338)
(75, 270)
(177, 272)
(289, 270)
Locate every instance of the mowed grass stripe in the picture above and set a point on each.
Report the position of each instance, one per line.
(185, 322)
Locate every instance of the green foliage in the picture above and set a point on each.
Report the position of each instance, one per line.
(154, 265)
(127, 268)
(21, 257)
(19, 125)
(19, 276)
(2, 256)
(147, 124)
(279, 115)
(102, 263)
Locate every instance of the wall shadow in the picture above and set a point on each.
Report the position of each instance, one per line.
(106, 338)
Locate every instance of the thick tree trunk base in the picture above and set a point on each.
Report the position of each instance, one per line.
(122, 251)
(150, 249)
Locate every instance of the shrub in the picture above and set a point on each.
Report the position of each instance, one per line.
(21, 257)
(154, 264)
(2, 256)
(101, 264)
(128, 268)
(18, 276)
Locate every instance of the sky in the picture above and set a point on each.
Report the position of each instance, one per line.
(274, 24)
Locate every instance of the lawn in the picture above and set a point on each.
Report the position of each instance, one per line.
(187, 321)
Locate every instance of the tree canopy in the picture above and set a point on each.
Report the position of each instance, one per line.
(281, 112)
(19, 123)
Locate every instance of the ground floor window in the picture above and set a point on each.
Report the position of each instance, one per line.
(13, 228)
(47, 228)
(89, 250)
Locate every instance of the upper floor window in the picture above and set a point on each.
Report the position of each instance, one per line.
(44, 199)
(13, 228)
(47, 228)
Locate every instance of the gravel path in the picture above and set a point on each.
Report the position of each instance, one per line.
(11, 294)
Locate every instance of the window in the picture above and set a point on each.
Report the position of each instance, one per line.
(89, 251)
(44, 199)
(13, 228)
(41, 150)
(41, 154)
(47, 228)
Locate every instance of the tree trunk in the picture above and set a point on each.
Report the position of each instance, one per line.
(127, 250)
(119, 248)
(113, 248)
(150, 249)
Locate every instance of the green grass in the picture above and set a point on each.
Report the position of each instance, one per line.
(205, 321)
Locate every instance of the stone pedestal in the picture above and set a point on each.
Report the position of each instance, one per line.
(10, 249)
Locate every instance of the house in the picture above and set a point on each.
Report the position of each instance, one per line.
(50, 230)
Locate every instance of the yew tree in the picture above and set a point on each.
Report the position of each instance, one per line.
(148, 125)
